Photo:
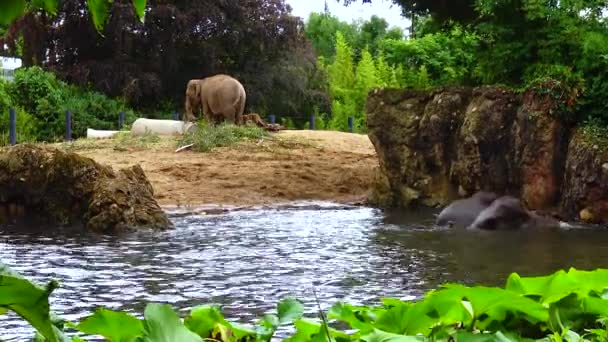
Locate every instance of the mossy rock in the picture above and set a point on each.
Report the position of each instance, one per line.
(63, 188)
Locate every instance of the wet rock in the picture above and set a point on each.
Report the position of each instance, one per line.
(585, 184)
(67, 189)
(440, 145)
(541, 145)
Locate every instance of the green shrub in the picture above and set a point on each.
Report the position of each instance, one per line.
(206, 137)
(47, 99)
(26, 126)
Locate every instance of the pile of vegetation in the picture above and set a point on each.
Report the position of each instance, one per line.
(563, 306)
(205, 137)
(41, 101)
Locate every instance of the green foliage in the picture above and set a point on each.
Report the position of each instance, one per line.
(206, 137)
(45, 100)
(28, 300)
(322, 29)
(26, 126)
(114, 326)
(448, 58)
(563, 306)
(10, 10)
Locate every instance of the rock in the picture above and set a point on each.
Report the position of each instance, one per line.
(62, 188)
(585, 184)
(541, 145)
(436, 146)
(586, 216)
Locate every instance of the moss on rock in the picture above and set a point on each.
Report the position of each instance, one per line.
(64, 188)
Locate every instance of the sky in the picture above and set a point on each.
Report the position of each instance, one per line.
(357, 9)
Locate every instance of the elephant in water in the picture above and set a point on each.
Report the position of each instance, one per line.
(221, 96)
(507, 212)
(463, 212)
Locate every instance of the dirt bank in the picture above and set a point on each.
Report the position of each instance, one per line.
(294, 165)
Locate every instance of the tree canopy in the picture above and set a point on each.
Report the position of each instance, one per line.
(257, 41)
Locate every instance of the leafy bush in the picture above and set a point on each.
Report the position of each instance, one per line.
(47, 99)
(570, 306)
(206, 137)
(26, 126)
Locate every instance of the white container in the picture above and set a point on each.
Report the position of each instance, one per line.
(99, 134)
(161, 127)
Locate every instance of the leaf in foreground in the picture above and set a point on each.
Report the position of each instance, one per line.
(28, 300)
(382, 336)
(11, 10)
(162, 324)
(115, 326)
(99, 10)
(140, 7)
(289, 310)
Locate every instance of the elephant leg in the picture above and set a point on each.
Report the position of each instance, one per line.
(208, 114)
(230, 115)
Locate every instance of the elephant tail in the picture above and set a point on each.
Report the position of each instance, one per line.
(239, 108)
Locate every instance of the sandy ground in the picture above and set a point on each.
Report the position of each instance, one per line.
(292, 166)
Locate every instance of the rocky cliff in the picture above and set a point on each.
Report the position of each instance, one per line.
(435, 146)
(46, 185)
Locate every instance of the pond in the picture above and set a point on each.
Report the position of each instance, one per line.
(249, 259)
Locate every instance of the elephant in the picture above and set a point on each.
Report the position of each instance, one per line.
(507, 213)
(463, 212)
(222, 97)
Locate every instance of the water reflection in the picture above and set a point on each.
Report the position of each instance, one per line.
(249, 259)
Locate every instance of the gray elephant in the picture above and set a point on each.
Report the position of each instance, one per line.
(507, 212)
(222, 97)
(462, 212)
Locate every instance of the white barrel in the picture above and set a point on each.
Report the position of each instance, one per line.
(97, 134)
(160, 127)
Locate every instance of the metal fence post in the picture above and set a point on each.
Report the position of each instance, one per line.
(350, 124)
(311, 123)
(271, 118)
(13, 126)
(175, 116)
(68, 125)
(121, 119)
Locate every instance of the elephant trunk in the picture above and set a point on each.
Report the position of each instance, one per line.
(188, 114)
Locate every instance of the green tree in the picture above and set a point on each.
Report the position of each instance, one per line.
(321, 29)
(341, 71)
(10, 10)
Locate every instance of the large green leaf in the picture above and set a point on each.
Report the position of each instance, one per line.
(208, 322)
(559, 285)
(140, 7)
(99, 10)
(11, 10)
(383, 336)
(28, 300)
(115, 326)
(162, 324)
(289, 309)
(203, 320)
(358, 318)
(308, 330)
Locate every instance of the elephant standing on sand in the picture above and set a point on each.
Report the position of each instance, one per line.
(221, 96)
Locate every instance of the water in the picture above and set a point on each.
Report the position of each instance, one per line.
(247, 260)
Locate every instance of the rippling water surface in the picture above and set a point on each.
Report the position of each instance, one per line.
(247, 260)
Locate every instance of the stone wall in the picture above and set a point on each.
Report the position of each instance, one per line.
(435, 146)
